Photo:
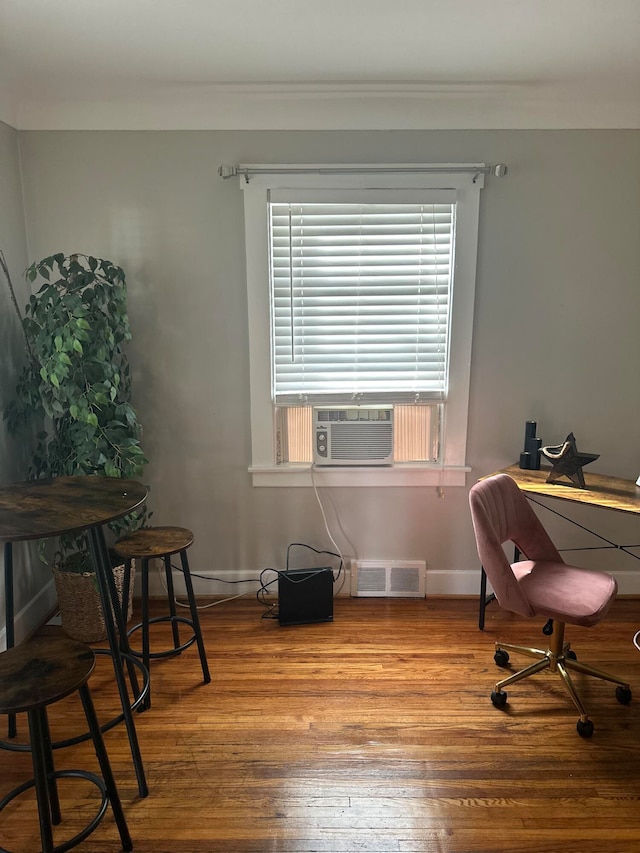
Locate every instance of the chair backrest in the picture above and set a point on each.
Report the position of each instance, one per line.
(501, 513)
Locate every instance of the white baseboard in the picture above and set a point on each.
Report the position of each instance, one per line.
(466, 582)
(463, 582)
(32, 615)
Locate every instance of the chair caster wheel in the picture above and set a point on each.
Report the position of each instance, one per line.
(623, 695)
(585, 728)
(499, 699)
(501, 657)
(571, 654)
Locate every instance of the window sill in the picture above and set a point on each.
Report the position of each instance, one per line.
(407, 475)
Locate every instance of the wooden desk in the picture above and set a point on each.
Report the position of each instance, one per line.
(602, 491)
(40, 509)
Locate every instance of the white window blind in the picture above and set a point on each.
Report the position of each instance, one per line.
(360, 300)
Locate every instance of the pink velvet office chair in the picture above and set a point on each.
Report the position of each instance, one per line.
(540, 585)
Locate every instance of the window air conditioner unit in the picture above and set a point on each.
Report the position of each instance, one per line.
(353, 435)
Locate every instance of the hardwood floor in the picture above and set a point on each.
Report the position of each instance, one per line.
(373, 733)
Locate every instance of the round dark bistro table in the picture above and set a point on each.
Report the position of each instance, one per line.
(41, 509)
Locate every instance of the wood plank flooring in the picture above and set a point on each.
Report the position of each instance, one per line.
(373, 733)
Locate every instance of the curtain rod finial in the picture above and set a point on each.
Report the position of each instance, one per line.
(500, 170)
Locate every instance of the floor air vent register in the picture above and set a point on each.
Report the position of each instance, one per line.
(388, 578)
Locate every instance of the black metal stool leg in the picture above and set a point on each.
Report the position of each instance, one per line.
(99, 555)
(105, 767)
(126, 590)
(37, 728)
(54, 800)
(194, 617)
(145, 623)
(9, 615)
(172, 601)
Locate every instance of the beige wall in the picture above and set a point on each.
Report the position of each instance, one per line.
(556, 326)
(31, 576)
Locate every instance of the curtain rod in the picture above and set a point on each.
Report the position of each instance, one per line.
(225, 171)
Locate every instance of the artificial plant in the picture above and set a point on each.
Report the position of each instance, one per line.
(75, 388)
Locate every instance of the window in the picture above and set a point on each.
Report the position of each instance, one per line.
(361, 289)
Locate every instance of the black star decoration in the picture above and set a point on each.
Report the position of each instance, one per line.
(567, 461)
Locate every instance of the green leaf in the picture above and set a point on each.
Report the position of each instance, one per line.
(92, 419)
(111, 470)
(58, 342)
(77, 346)
(73, 411)
(54, 380)
(43, 374)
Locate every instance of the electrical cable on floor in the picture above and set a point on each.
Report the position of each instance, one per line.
(272, 607)
(202, 577)
(260, 594)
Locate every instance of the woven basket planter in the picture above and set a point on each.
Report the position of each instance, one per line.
(79, 603)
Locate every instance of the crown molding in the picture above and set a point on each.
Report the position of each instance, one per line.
(338, 106)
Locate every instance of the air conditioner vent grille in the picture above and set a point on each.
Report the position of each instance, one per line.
(369, 441)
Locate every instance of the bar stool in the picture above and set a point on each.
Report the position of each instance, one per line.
(32, 676)
(162, 542)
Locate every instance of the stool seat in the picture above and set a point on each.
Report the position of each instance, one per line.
(41, 672)
(33, 676)
(154, 542)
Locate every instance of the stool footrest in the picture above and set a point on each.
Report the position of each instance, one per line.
(176, 650)
(68, 774)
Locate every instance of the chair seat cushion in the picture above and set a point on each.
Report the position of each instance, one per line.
(566, 593)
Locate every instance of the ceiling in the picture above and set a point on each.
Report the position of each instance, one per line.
(319, 63)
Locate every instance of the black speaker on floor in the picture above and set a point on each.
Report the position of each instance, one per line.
(304, 596)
